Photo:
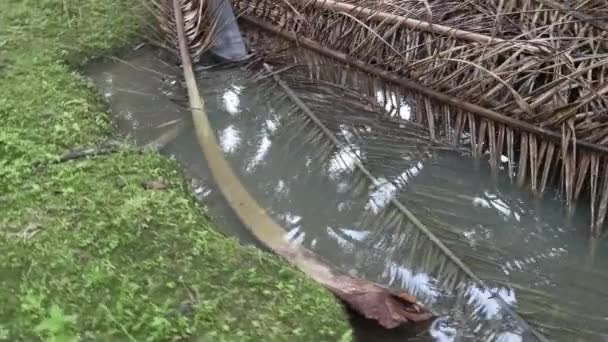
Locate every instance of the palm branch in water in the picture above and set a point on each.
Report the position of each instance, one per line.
(434, 255)
(391, 148)
(329, 116)
(522, 78)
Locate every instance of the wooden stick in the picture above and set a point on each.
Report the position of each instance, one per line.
(88, 152)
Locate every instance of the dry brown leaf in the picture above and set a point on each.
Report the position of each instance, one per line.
(378, 303)
(155, 184)
(389, 308)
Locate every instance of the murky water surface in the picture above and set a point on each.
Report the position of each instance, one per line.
(536, 261)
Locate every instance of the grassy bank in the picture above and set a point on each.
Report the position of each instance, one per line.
(85, 250)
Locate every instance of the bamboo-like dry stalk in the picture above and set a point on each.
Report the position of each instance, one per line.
(534, 90)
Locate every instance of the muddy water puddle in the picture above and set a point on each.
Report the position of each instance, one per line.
(538, 262)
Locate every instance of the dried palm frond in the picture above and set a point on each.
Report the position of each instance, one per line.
(200, 27)
(527, 94)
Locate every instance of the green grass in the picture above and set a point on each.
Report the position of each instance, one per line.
(85, 251)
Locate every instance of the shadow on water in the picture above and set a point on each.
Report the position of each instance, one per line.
(530, 255)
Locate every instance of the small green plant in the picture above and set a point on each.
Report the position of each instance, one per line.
(56, 326)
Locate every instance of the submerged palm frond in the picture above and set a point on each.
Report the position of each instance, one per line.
(529, 84)
(366, 132)
(331, 132)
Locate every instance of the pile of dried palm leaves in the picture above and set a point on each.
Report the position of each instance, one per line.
(526, 79)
